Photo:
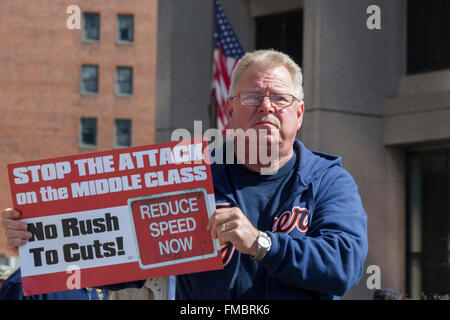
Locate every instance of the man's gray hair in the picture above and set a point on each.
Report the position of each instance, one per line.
(269, 57)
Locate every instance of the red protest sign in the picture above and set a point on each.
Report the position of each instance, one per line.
(119, 215)
(176, 222)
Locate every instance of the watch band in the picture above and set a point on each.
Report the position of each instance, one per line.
(262, 250)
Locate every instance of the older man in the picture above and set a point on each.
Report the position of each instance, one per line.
(297, 233)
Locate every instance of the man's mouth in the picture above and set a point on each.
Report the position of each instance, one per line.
(268, 122)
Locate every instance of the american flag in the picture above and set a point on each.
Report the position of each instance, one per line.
(227, 53)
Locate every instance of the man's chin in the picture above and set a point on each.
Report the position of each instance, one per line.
(265, 136)
(269, 133)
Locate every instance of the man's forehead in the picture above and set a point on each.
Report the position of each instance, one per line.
(265, 68)
(258, 76)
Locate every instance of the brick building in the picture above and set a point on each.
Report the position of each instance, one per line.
(66, 91)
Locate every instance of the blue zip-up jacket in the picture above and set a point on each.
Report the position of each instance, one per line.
(319, 237)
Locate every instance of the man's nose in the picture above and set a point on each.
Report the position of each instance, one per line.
(266, 105)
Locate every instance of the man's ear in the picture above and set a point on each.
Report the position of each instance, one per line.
(300, 112)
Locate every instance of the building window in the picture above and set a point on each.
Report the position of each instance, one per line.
(122, 133)
(428, 35)
(124, 81)
(125, 28)
(91, 27)
(428, 221)
(89, 79)
(88, 132)
(283, 32)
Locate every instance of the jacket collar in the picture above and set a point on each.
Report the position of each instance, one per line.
(309, 165)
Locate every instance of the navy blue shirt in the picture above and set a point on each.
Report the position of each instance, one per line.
(260, 197)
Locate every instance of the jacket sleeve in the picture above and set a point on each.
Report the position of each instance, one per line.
(330, 257)
(11, 291)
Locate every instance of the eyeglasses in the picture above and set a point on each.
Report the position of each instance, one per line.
(253, 99)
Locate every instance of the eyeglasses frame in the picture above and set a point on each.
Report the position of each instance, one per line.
(264, 96)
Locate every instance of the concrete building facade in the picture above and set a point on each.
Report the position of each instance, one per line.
(361, 103)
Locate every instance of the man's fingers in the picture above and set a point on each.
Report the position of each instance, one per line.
(217, 214)
(16, 231)
(227, 226)
(16, 238)
(14, 243)
(221, 224)
(222, 220)
(10, 234)
(212, 223)
(10, 221)
(10, 213)
(226, 232)
(14, 224)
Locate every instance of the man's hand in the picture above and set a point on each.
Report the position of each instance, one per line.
(231, 225)
(15, 231)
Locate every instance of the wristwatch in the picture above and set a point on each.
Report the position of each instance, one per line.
(264, 244)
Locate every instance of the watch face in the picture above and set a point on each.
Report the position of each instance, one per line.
(264, 242)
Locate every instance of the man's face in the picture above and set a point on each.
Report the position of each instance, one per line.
(281, 124)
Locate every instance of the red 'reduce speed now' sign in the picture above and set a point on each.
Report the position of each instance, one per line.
(116, 216)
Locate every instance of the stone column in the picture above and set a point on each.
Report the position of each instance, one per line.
(349, 73)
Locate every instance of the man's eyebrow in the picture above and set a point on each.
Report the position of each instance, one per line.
(251, 91)
(275, 90)
(271, 92)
